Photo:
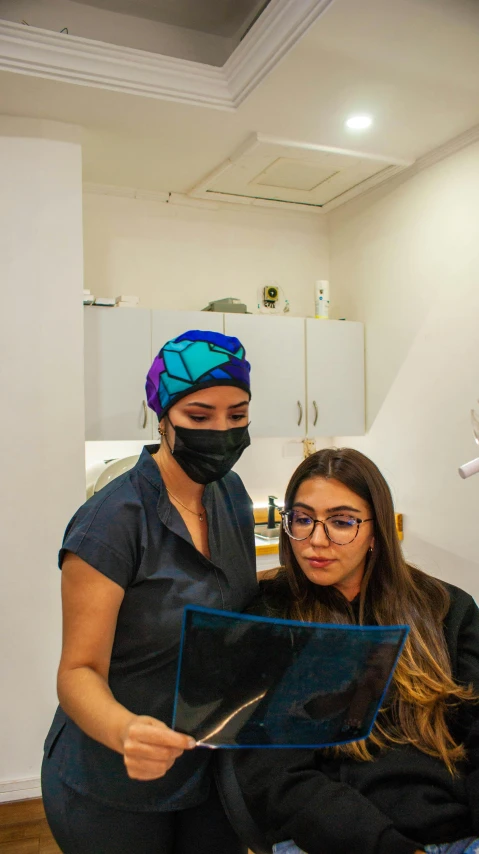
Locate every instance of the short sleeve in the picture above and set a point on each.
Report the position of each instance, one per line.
(106, 533)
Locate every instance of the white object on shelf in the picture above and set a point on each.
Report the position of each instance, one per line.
(107, 301)
(127, 301)
(321, 299)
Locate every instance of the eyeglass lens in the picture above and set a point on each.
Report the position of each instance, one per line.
(340, 529)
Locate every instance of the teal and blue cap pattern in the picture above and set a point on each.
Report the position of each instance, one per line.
(196, 359)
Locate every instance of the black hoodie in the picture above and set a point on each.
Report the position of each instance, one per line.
(395, 804)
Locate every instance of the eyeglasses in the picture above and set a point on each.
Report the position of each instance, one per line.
(340, 529)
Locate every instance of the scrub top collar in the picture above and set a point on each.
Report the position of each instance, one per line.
(166, 511)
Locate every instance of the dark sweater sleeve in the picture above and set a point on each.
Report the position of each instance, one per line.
(290, 799)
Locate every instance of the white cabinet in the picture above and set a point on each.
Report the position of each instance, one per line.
(275, 348)
(120, 345)
(335, 377)
(307, 375)
(169, 324)
(117, 359)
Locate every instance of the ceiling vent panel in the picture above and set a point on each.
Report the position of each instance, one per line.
(278, 171)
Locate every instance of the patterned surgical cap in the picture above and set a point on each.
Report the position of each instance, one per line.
(192, 361)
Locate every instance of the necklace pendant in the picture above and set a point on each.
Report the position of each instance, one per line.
(201, 517)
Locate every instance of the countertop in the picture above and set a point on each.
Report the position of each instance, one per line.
(266, 547)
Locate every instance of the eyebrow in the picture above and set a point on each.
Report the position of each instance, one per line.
(329, 509)
(208, 405)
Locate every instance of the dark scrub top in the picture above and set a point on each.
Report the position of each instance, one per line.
(131, 533)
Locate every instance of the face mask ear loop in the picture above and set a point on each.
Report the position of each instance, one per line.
(163, 433)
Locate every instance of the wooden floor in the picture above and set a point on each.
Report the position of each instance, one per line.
(24, 829)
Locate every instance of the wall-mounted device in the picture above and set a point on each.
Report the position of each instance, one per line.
(270, 296)
(272, 299)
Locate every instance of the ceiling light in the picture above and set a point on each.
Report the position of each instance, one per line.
(359, 122)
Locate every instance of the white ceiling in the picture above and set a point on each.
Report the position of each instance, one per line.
(412, 64)
(265, 168)
(218, 17)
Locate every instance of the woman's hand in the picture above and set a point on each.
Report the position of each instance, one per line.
(150, 748)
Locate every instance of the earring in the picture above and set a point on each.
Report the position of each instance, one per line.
(161, 432)
(370, 550)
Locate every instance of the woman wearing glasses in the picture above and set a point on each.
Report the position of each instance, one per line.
(413, 785)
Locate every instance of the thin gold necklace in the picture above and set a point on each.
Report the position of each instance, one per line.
(200, 515)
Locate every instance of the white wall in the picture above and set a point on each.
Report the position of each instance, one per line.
(178, 257)
(42, 424)
(405, 261)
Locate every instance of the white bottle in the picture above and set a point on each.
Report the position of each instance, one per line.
(321, 299)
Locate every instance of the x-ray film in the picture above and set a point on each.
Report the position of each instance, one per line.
(247, 681)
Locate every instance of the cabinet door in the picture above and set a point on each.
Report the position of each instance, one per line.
(335, 377)
(117, 359)
(275, 348)
(170, 324)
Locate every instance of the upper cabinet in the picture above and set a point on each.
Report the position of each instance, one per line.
(335, 377)
(275, 348)
(117, 359)
(307, 376)
(169, 324)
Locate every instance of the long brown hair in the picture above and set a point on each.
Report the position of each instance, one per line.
(392, 592)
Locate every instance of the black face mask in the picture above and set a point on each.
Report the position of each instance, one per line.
(207, 455)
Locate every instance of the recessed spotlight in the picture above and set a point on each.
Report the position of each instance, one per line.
(359, 122)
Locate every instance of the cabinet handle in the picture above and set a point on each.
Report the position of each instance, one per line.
(300, 410)
(315, 407)
(145, 415)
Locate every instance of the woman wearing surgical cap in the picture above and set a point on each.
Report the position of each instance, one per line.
(177, 529)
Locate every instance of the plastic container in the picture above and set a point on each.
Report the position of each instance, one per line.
(321, 299)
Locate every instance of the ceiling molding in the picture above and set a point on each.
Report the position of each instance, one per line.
(277, 30)
(441, 152)
(90, 188)
(157, 196)
(86, 62)
(468, 137)
(70, 59)
(374, 181)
